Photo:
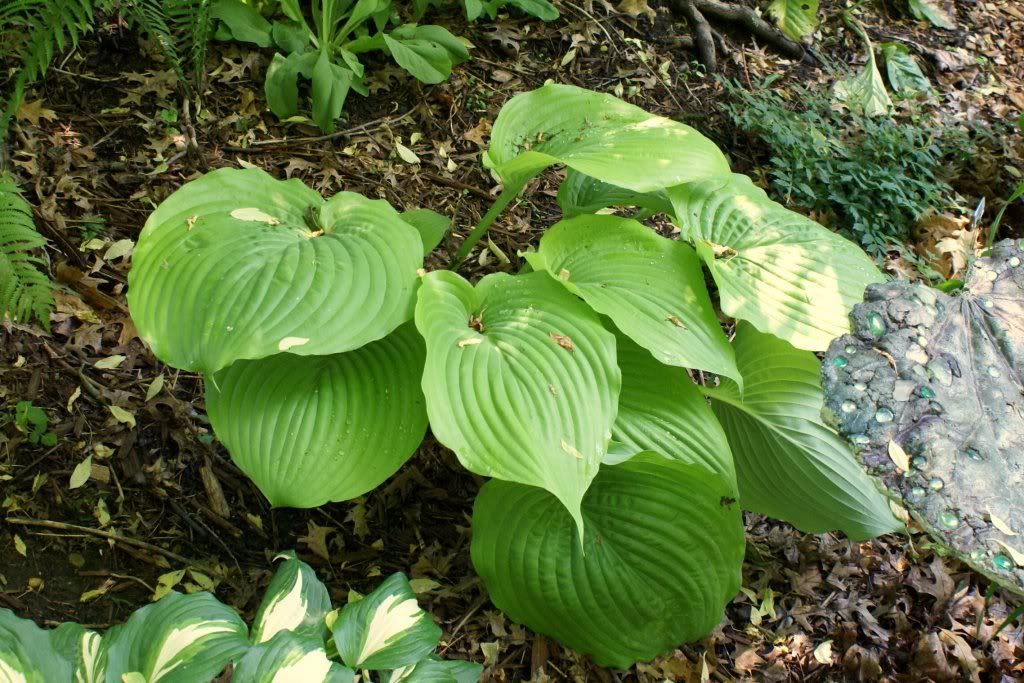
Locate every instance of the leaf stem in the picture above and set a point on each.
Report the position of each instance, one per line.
(510, 191)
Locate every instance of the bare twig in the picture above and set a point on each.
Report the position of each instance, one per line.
(262, 145)
(62, 526)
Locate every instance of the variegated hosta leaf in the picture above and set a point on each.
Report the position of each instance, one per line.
(579, 194)
(387, 629)
(520, 379)
(28, 654)
(180, 639)
(789, 465)
(775, 268)
(85, 649)
(288, 657)
(651, 287)
(662, 410)
(309, 430)
(295, 601)
(661, 557)
(930, 389)
(238, 265)
(433, 670)
(599, 135)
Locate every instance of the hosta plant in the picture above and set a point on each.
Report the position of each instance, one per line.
(612, 520)
(295, 636)
(327, 50)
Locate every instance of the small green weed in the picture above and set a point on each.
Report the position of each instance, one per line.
(874, 175)
(31, 420)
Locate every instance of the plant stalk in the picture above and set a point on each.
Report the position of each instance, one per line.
(509, 193)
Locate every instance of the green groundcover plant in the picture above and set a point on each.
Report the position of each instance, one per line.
(612, 519)
(295, 637)
(327, 50)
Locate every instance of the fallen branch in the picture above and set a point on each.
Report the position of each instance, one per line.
(62, 526)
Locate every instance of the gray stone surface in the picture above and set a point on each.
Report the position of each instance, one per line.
(937, 378)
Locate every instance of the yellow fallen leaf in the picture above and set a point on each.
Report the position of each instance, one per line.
(81, 473)
(899, 456)
(110, 362)
(123, 416)
(1000, 523)
(407, 155)
(154, 387)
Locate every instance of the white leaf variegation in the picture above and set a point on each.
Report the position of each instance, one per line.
(433, 670)
(85, 649)
(295, 601)
(27, 653)
(180, 639)
(289, 658)
(387, 629)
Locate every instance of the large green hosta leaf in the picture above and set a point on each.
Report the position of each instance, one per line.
(662, 410)
(789, 465)
(309, 430)
(296, 601)
(599, 135)
(238, 265)
(651, 287)
(775, 268)
(660, 559)
(387, 629)
(579, 194)
(180, 639)
(520, 379)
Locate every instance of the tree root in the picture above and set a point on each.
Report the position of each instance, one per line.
(708, 42)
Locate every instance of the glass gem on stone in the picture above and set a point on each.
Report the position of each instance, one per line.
(884, 415)
(876, 325)
(949, 520)
(1003, 562)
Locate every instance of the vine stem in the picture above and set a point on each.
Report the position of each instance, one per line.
(510, 191)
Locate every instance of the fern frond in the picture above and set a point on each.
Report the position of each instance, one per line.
(24, 288)
(151, 17)
(51, 26)
(192, 17)
(182, 30)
